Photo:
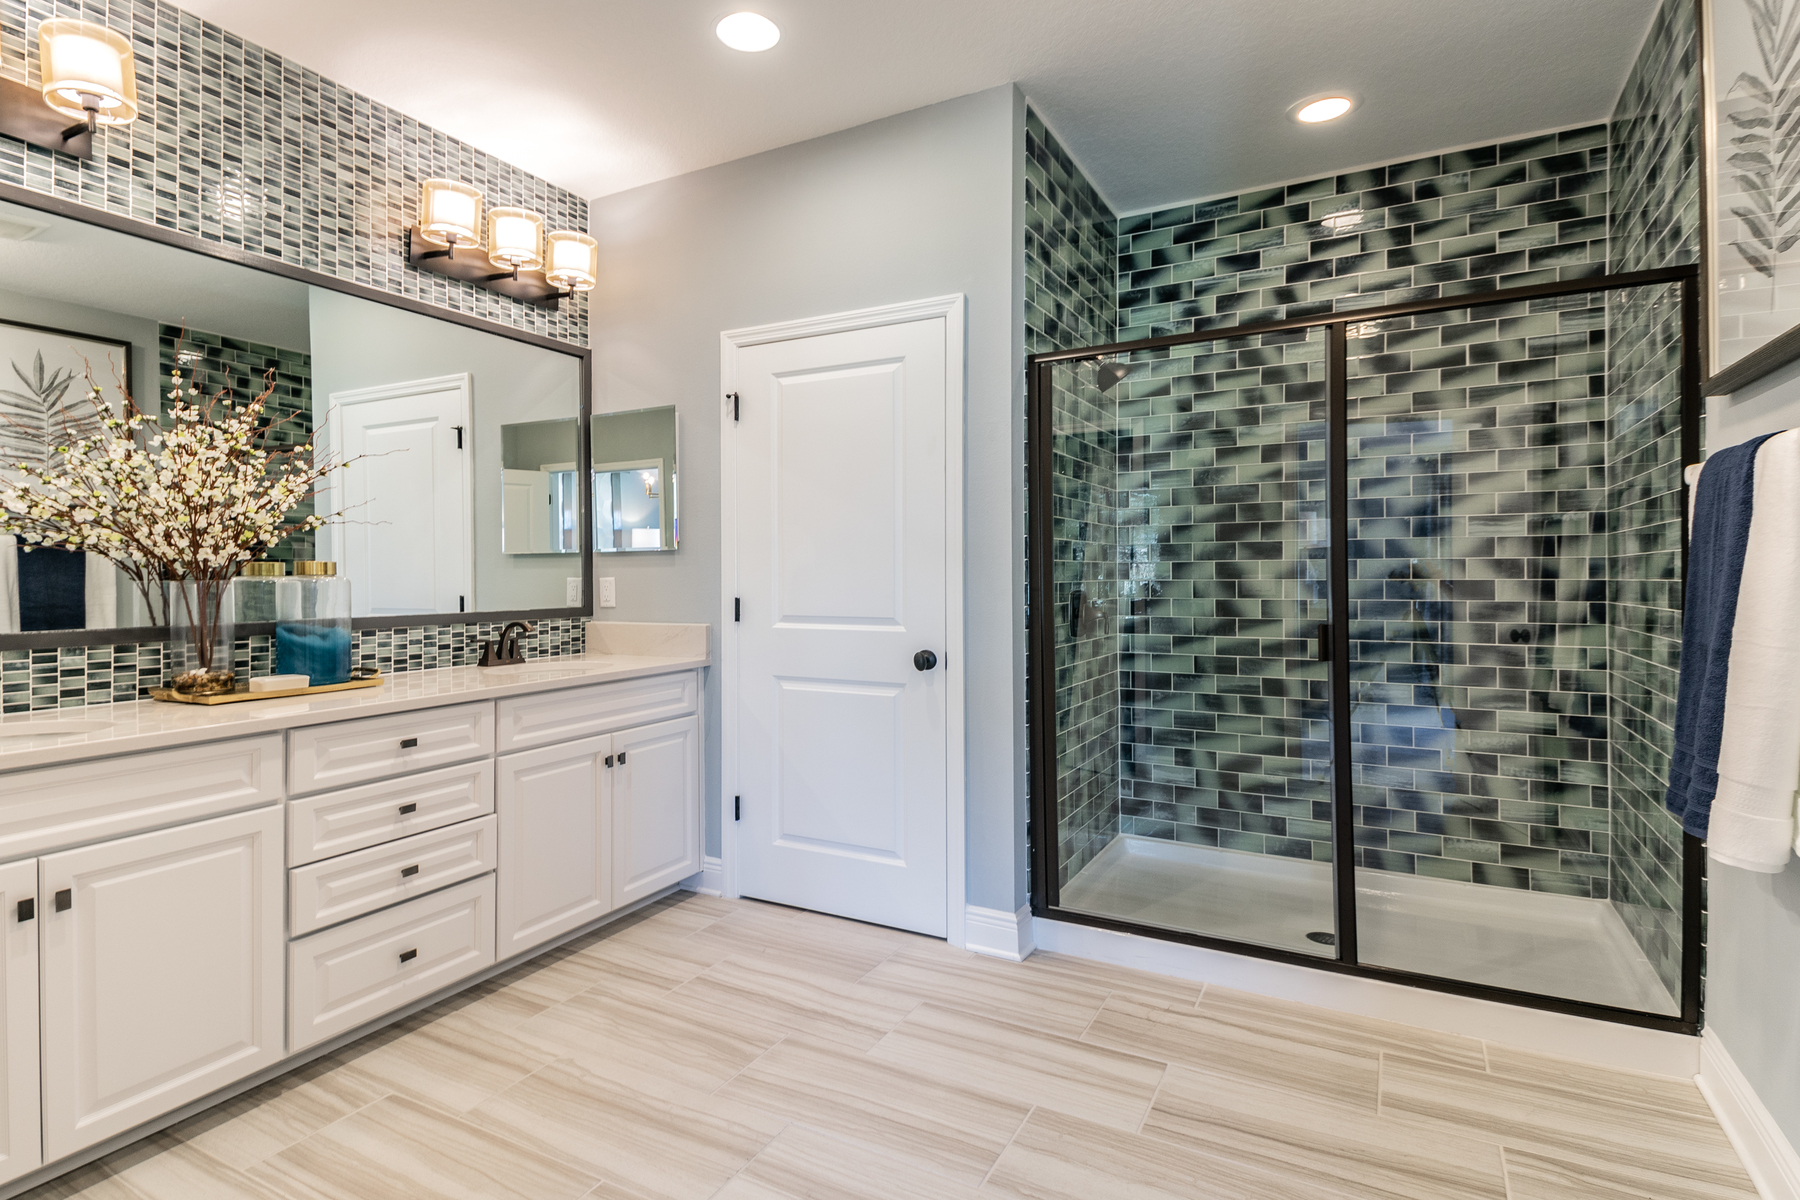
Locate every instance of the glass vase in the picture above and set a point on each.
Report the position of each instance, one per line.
(202, 633)
(312, 624)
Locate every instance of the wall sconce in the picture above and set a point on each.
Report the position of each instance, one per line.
(514, 263)
(89, 77)
(574, 261)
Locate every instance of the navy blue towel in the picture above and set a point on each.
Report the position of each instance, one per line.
(1716, 544)
(52, 589)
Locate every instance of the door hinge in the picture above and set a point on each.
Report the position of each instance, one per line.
(1325, 641)
(462, 604)
(737, 808)
(735, 402)
(737, 608)
(459, 435)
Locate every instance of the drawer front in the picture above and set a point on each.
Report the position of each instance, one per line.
(338, 822)
(346, 976)
(353, 885)
(527, 722)
(53, 807)
(333, 756)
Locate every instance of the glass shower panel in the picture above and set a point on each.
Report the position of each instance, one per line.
(1191, 542)
(1484, 538)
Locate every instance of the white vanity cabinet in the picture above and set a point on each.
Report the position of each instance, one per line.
(22, 1149)
(161, 957)
(590, 825)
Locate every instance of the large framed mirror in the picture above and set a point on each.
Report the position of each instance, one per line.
(430, 403)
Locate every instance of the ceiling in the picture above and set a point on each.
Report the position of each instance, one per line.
(1159, 100)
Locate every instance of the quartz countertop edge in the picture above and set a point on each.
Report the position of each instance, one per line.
(135, 726)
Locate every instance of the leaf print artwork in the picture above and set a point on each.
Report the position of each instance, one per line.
(30, 419)
(1764, 140)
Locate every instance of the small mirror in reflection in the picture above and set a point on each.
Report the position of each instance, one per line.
(635, 481)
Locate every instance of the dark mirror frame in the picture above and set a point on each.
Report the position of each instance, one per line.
(13, 194)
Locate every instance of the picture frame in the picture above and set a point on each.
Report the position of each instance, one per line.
(1750, 189)
(43, 373)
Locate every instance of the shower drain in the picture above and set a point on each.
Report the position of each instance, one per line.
(1324, 939)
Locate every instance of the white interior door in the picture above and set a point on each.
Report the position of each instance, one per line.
(406, 538)
(840, 560)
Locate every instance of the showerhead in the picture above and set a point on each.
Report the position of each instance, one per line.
(1108, 374)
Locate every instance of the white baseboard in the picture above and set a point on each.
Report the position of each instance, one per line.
(711, 879)
(1768, 1155)
(1603, 1042)
(999, 934)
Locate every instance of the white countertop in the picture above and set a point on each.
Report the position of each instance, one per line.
(70, 734)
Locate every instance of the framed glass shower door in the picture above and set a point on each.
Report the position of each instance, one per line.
(1188, 521)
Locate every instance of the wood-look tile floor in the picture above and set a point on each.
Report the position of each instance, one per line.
(729, 1049)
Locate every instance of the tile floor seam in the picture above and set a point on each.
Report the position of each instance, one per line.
(727, 1083)
(1506, 1174)
(1155, 1093)
(989, 1173)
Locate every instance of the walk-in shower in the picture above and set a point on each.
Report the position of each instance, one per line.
(1354, 639)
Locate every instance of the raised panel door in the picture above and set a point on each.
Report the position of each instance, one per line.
(656, 808)
(555, 872)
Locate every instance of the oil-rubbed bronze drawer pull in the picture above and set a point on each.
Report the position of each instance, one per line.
(408, 808)
(65, 900)
(408, 955)
(408, 743)
(27, 909)
(407, 871)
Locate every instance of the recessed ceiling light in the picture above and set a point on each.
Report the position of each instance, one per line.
(1326, 108)
(748, 31)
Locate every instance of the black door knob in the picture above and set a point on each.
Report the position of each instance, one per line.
(924, 660)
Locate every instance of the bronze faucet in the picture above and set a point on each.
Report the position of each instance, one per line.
(504, 651)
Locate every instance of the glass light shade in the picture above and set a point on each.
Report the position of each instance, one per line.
(515, 238)
(448, 209)
(574, 261)
(80, 58)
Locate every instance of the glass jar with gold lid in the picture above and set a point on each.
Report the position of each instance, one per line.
(312, 624)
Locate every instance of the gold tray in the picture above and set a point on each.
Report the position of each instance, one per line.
(242, 694)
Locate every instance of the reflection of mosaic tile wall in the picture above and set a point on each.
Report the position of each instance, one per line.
(1507, 215)
(1655, 223)
(1222, 481)
(215, 363)
(1069, 244)
(1478, 638)
(239, 145)
(76, 676)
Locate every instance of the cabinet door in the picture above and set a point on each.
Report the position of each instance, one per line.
(162, 972)
(23, 1146)
(554, 807)
(656, 808)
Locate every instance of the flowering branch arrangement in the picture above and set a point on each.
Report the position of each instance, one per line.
(192, 497)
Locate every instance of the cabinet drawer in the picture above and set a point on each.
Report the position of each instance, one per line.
(357, 818)
(332, 756)
(346, 976)
(352, 885)
(527, 722)
(53, 807)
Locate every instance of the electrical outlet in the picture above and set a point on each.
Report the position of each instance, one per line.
(572, 591)
(609, 595)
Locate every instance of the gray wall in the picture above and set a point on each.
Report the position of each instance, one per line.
(361, 344)
(921, 204)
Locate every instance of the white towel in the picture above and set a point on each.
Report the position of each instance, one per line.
(1753, 820)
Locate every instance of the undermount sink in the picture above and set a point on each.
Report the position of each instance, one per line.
(36, 729)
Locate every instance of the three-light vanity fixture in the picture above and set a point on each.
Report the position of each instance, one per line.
(508, 251)
(89, 79)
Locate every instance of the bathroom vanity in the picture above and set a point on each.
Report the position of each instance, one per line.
(195, 898)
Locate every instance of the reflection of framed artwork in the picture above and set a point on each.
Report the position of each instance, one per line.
(43, 383)
(1750, 136)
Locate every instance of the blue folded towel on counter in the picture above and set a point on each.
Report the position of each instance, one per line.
(1716, 543)
(321, 652)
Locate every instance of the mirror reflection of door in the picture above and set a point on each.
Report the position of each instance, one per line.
(407, 496)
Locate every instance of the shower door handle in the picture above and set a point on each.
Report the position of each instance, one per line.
(1325, 641)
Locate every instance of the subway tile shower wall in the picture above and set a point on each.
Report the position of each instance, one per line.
(1507, 215)
(1070, 237)
(242, 147)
